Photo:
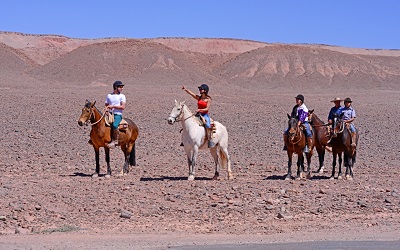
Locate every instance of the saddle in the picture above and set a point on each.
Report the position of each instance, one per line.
(109, 118)
(202, 122)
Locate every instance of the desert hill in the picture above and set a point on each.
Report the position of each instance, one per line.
(99, 61)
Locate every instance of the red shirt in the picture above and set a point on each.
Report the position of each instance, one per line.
(202, 105)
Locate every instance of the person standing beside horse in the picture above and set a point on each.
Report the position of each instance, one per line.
(115, 103)
(300, 111)
(203, 108)
(349, 114)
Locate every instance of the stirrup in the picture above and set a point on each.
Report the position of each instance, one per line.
(305, 150)
(211, 144)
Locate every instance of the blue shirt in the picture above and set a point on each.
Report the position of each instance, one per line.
(348, 113)
(334, 111)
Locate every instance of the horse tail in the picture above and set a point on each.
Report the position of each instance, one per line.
(132, 156)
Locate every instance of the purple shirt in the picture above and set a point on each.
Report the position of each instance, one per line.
(302, 113)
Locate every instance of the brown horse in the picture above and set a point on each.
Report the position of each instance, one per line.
(341, 142)
(322, 136)
(296, 142)
(100, 136)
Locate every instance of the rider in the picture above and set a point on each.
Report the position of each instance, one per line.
(203, 107)
(300, 111)
(115, 102)
(335, 110)
(349, 114)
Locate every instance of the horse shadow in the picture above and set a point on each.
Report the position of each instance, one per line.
(77, 174)
(283, 177)
(169, 178)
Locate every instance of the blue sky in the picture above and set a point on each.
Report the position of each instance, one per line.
(373, 24)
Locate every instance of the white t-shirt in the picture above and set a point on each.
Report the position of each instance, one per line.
(116, 99)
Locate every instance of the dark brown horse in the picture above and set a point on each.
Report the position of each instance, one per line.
(296, 142)
(322, 136)
(341, 142)
(100, 136)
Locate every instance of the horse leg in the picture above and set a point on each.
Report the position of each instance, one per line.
(289, 172)
(226, 161)
(300, 166)
(308, 155)
(132, 155)
(107, 152)
(192, 162)
(333, 166)
(321, 157)
(97, 157)
(342, 160)
(214, 154)
(125, 168)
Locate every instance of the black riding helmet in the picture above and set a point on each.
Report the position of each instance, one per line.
(204, 87)
(300, 97)
(117, 83)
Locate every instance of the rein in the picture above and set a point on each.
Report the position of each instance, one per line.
(92, 113)
(178, 120)
(297, 130)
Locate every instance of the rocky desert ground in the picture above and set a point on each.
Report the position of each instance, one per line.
(50, 200)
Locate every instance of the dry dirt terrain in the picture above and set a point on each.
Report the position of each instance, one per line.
(50, 200)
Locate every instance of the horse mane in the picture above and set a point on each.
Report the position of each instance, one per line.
(317, 118)
(89, 103)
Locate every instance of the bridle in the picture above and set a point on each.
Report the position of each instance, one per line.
(291, 138)
(180, 113)
(88, 121)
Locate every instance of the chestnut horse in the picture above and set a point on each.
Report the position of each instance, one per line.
(296, 142)
(322, 136)
(100, 136)
(341, 142)
(194, 138)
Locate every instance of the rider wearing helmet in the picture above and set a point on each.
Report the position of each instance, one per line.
(115, 102)
(300, 111)
(203, 107)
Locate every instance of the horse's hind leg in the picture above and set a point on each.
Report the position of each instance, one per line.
(226, 161)
(214, 154)
(308, 155)
(341, 160)
(300, 166)
(333, 166)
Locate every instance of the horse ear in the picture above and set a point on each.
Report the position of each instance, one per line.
(182, 103)
(92, 105)
(288, 116)
(311, 111)
(176, 101)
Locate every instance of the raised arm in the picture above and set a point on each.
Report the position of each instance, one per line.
(190, 92)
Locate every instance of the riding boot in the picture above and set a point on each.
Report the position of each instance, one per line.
(284, 141)
(309, 145)
(209, 131)
(353, 139)
(114, 139)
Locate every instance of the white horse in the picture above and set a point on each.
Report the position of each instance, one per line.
(194, 138)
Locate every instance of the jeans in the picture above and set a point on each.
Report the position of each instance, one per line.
(207, 118)
(307, 131)
(117, 121)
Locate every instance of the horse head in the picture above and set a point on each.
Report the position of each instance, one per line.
(293, 127)
(337, 124)
(176, 113)
(87, 111)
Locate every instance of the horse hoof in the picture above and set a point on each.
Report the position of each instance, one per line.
(230, 176)
(340, 177)
(348, 177)
(107, 176)
(191, 178)
(95, 175)
(321, 170)
(332, 177)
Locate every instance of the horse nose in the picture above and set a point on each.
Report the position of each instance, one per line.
(80, 123)
(170, 121)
